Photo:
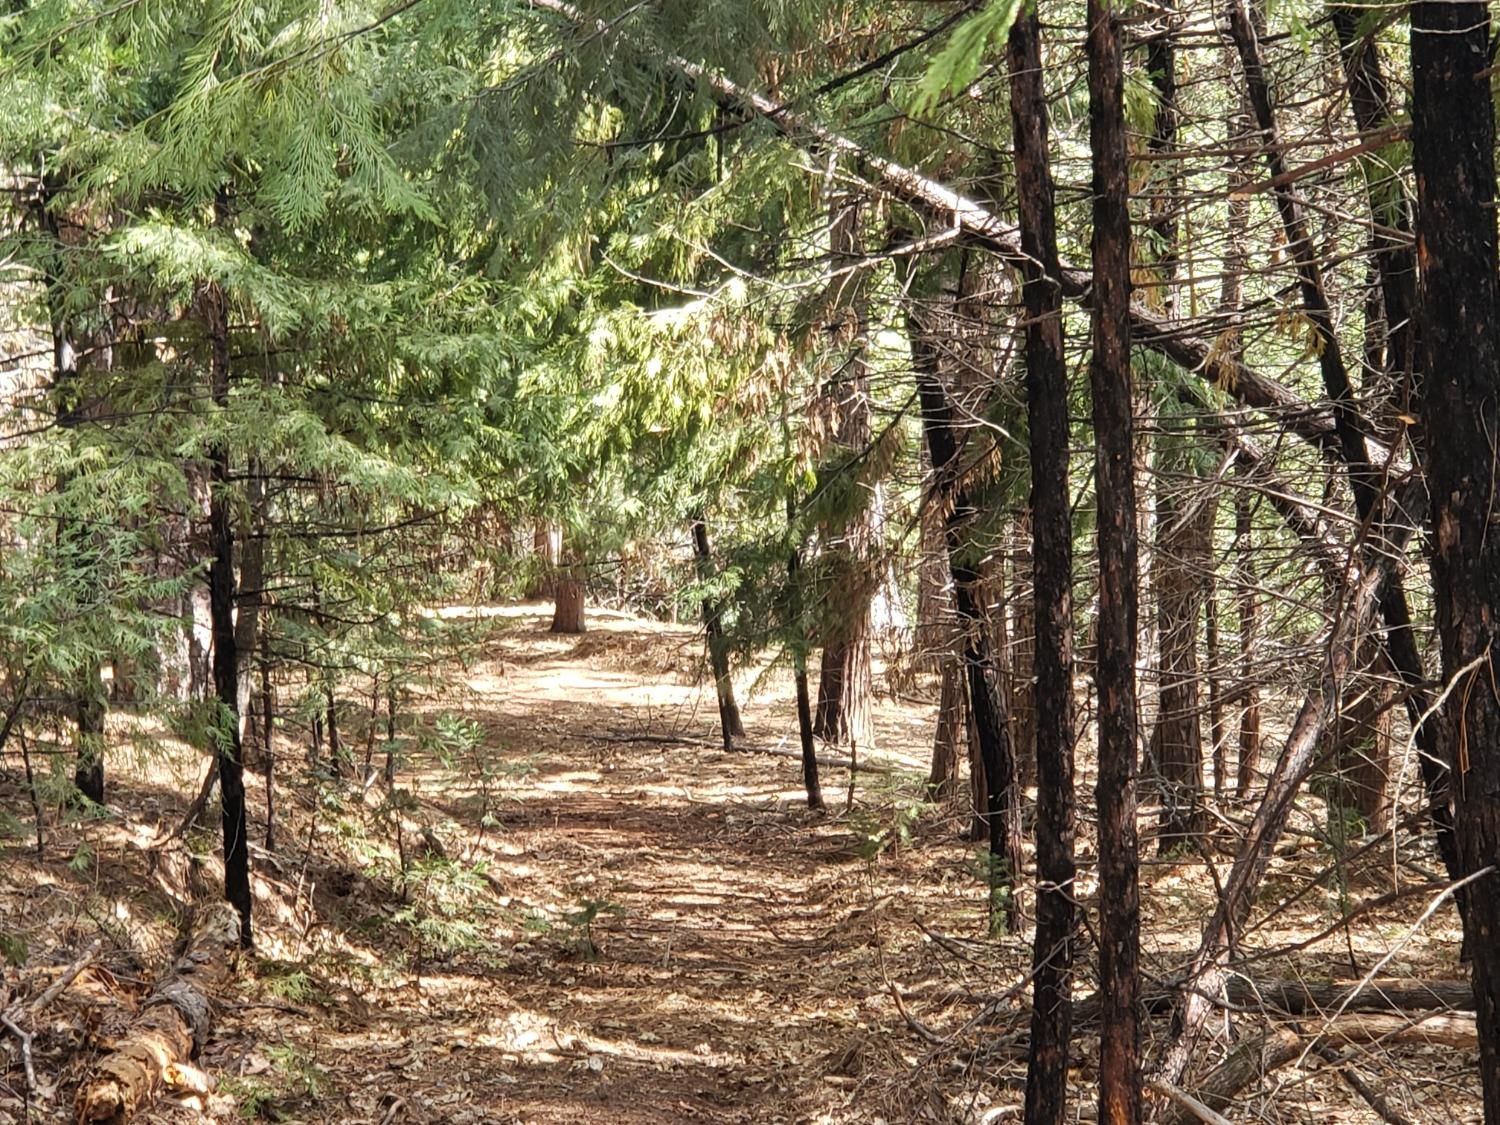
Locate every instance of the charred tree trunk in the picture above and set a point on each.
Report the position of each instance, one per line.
(214, 307)
(730, 726)
(810, 779)
(1052, 586)
(1111, 381)
(1184, 549)
(1002, 803)
(1453, 141)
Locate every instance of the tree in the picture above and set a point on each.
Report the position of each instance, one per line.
(1453, 150)
(1110, 380)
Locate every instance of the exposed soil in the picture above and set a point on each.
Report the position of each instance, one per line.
(604, 917)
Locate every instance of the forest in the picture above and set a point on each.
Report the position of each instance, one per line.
(749, 561)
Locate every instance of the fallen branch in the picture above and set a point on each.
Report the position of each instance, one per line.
(1255, 1058)
(170, 1030)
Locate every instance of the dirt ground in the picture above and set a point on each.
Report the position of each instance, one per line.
(575, 907)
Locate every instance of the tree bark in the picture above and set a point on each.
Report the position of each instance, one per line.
(1453, 142)
(1002, 804)
(172, 1029)
(1184, 553)
(1110, 378)
(569, 602)
(811, 781)
(227, 746)
(844, 677)
(730, 725)
(1052, 586)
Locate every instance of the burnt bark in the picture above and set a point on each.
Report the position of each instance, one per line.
(1111, 381)
(1002, 804)
(214, 308)
(1052, 586)
(1453, 142)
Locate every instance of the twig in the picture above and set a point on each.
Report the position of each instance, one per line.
(1188, 1102)
(54, 990)
(24, 1038)
(1374, 1098)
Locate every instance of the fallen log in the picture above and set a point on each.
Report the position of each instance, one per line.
(1301, 997)
(172, 1028)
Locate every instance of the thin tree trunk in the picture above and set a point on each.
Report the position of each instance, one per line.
(1184, 550)
(568, 609)
(1245, 579)
(1205, 979)
(1352, 431)
(226, 665)
(1111, 380)
(730, 726)
(1052, 586)
(810, 779)
(1002, 800)
(268, 734)
(1453, 142)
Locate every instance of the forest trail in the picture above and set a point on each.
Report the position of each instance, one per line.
(575, 907)
(606, 917)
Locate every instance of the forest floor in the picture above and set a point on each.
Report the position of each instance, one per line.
(577, 908)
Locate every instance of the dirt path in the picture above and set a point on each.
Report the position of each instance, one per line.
(676, 938)
(574, 907)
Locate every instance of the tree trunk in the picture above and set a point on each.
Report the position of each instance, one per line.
(1111, 380)
(810, 779)
(1453, 142)
(1184, 553)
(546, 544)
(950, 740)
(1245, 579)
(1002, 798)
(730, 726)
(844, 679)
(568, 601)
(226, 665)
(1052, 586)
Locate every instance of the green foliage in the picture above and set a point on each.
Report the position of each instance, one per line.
(960, 60)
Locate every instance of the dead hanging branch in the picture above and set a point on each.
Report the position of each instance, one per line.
(171, 1029)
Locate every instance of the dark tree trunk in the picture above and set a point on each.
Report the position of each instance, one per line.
(1052, 587)
(1111, 382)
(1249, 755)
(810, 779)
(730, 726)
(1390, 207)
(226, 665)
(1184, 551)
(1453, 142)
(844, 680)
(1002, 805)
